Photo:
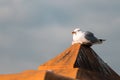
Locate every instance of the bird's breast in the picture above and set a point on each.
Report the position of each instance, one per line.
(77, 37)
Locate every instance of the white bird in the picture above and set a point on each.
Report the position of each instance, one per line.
(86, 38)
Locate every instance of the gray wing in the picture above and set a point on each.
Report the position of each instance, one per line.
(90, 37)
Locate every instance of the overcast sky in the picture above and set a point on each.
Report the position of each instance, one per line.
(34, 31)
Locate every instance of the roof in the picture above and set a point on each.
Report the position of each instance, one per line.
(78, 62)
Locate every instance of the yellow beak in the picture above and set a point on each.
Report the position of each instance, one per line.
(73, 32)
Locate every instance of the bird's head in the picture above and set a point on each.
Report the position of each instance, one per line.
(75, 30)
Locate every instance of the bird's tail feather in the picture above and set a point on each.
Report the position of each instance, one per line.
(101, 41)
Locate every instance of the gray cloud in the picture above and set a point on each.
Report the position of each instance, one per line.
(28, 29)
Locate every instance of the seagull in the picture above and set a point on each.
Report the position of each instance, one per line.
(86, 38)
